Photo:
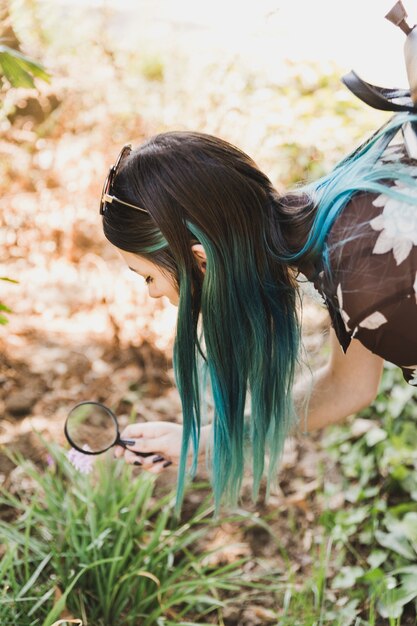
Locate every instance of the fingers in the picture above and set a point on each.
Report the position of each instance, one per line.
(151, 439)
(159, 467)
(118, 452)
(148, 437)
(146, 429)
(146, 445)
(153, 464)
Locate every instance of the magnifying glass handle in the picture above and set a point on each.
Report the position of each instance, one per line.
(131, 442)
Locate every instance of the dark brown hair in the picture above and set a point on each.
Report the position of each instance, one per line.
(198, 188)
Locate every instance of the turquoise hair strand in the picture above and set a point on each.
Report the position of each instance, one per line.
(251, 339)
(359, 171)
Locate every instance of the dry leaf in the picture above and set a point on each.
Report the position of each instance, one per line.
(66, 616)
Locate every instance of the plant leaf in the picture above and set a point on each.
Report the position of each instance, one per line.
(376, 558)
(375, 435)
(19, 69)
(41, 601)
(60, 605)
(34, 576)
(394, 600)
(395, 542)
(347, 577)
(9, 280)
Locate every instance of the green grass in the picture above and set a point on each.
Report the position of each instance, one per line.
(115, 553)
(118, 556)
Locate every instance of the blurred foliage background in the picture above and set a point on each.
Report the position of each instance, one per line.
(338, 530)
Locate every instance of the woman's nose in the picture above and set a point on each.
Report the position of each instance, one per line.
(154, 293)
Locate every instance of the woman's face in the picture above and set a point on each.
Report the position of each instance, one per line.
(158, 282)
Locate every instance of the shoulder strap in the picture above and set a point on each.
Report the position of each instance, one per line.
(379, 97)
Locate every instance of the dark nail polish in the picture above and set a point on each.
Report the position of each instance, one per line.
(137, 463)
(157, 459)
(127, 442)
(166, 463)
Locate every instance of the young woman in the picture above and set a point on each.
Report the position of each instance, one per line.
(205, 227)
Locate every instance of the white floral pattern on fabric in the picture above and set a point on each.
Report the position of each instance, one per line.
(393, 153)
(397, 223)
(373, 321)
(413, 368)
(345, 317)
(415, 287)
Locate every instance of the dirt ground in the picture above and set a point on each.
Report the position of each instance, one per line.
(82, 328)
(36, 398)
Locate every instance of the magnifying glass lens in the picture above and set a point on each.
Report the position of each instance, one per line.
(91, 427)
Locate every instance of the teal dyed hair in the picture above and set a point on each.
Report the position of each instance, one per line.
(251, 339)
(200, 189)
(359, 171)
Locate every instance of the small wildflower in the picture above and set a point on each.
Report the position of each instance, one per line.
(82, 462)
(50, 461)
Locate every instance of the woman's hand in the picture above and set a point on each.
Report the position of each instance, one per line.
(162, 438)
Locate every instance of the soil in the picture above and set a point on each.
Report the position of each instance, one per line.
(82, 329)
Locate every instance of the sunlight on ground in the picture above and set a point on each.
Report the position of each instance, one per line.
(153, 66)
(227, 68)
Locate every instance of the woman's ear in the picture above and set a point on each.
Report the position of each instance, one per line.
(200, 256)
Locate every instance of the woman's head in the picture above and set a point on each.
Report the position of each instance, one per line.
(188, 183)
(210, 231)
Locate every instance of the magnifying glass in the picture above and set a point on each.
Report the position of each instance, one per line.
(92, 428)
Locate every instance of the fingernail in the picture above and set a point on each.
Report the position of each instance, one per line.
(127, 442)
(166, 463)
(157, 459)
(137, 463)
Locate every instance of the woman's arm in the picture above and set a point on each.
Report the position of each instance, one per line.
(345, 385)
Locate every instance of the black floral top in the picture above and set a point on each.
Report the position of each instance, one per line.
(370, 288)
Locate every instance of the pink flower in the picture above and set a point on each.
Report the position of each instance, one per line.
(82, 462)
(50, 461)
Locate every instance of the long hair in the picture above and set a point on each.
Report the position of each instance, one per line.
(200, 189)
(197, 188)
